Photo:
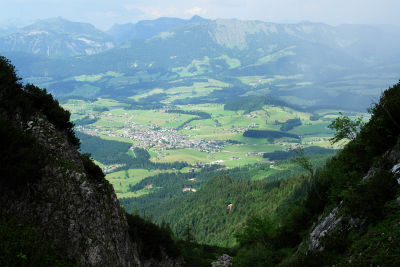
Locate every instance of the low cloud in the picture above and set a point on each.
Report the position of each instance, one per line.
(111, 15)
(156, 12)
(196, 11)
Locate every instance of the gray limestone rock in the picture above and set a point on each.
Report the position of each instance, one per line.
(223, 261)
(323, 228)
(80, 216)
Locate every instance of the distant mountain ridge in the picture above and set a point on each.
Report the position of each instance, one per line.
(308, 64)
(57, 37)
(230, 33)
(148, 28)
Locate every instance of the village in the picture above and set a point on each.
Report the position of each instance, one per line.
(157, 138)
(160, 139)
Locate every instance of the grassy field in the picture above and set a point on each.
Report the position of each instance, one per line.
(114, 120)
(260, 80)
(96, 77)
(232, 62)
(277, 55)
(149, 93)
(197, 67)
(198, 89)
(121, 180)
(229, 158)
(191, 156)
(223, 125)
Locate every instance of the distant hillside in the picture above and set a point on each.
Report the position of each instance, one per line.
(57, 37)
(252, 103)
(6, 30)
(306, 64)
(147, 28)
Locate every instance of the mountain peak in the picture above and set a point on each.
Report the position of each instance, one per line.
(197, 18)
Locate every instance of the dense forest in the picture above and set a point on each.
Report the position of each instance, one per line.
(85, 120)
(284, 155)
(201, 116)
(289, 124)
(268, 134)
(216, 211)
(171, 193)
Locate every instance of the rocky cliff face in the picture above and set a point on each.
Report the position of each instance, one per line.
(333, 221)
(79, 214)
(46, 184)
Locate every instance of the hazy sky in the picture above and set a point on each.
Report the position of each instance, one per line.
(104, 13)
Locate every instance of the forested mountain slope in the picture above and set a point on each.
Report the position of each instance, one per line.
(217, 210)
(351, 214)
(215, 203)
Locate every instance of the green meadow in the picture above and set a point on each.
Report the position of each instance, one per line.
(121, 180)
(114, 119)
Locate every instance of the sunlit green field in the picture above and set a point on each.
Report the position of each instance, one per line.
(223, 125)
(114, 119)
(121, 180)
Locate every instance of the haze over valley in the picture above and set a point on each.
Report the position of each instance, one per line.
(228, 136)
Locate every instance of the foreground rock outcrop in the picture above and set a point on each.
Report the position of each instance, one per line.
(46, 184)
(79, 214)
(224, 261)
(333, 221)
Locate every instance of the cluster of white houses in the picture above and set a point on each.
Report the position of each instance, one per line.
(158, 138)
